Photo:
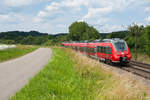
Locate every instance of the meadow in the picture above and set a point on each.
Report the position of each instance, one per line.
(72, 76)
(12, 53)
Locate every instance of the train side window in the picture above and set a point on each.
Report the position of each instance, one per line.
(98, 49)
(106, 50)
(109, 50)
(102, 49)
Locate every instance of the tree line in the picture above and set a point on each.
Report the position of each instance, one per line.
(139, 35)
(30, 38)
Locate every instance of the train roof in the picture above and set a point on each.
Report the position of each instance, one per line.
(98, 41)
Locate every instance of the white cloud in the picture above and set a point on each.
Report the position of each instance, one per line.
(95, 12)
(147, 19)
(4, 17)
(53, 6)
(74, 3)
(17, 3)
(147, 9)
(111, 28)
(42, 14)
(49, 10)
(9, 18)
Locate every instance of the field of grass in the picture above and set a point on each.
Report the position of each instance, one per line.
(15, 52)
(71, 76)
(142, 57)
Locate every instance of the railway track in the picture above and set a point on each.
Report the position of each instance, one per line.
(138, 68)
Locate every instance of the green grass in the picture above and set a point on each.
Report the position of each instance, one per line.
(69, 76)
(15, 52)
(141, 57)
(59, 81)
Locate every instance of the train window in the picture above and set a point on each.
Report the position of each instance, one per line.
(105, 50)
(109, 50)
(93, 50)
(102, 49)
(97, 48)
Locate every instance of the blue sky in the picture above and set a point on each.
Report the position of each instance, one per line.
(55, 16)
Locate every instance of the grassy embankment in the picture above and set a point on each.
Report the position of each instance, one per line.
(142, 57)
(71, 76)
(15, 52)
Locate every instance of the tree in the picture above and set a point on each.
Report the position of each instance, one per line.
(82, 31)
(147, 39)
(135, 31)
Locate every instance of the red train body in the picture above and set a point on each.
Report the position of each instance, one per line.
(110, 50)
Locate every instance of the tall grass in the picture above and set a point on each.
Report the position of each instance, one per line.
(72, 76)
(142, 57)
(111, 87)
(15, 52)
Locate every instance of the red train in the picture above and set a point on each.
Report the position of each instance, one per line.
(109, 50)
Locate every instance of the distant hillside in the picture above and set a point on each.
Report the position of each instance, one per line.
(104, 35)
(20, 33)
(60, 34)
(118, 34)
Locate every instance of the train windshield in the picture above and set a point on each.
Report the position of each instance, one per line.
(120, 46)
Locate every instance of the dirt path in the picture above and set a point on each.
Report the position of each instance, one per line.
(14, 74)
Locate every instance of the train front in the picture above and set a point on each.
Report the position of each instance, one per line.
(121, 52)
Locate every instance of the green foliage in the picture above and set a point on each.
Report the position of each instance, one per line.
(119, 34)
(147, 39)
(136, 31)
(82, 31)
(31, 38)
